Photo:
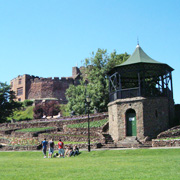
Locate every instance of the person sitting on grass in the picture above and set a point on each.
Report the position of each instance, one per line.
(56, 155)
(75, 150)
(51, 148)
(69, 151)
(44, 146)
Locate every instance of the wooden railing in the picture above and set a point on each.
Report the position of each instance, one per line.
(124, 93)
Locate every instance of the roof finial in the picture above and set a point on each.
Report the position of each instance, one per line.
(137, 41)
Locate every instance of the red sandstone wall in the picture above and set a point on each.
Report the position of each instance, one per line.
(48, 88)
(38, 88)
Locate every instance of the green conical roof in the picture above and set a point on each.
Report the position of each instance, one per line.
(139, 56)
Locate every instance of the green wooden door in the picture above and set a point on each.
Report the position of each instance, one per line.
(131, 122)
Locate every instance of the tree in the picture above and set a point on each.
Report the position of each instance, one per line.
(38, 111)
(51, 108)
(96, 73)
(76, 98)
(7, 103)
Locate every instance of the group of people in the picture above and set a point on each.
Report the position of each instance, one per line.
(62, 152)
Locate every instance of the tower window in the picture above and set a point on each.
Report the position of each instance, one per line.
(20, 81)
(19, 91)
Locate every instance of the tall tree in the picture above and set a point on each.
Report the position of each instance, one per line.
(96, 70)
(76, 98)
(7, 103)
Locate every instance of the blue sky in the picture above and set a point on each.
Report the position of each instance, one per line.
(47, 38)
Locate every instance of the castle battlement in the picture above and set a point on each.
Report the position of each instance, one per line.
(36, 79)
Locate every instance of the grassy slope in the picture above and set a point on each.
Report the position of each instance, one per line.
(115, 164)
(23, 115)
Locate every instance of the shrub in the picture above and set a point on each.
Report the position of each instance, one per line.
(27, 103)
(38, 111)
(49, 109)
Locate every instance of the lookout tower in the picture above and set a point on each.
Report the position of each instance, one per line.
(141, 97)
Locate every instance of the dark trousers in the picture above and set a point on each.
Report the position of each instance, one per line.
(44, 151)
(76, 152)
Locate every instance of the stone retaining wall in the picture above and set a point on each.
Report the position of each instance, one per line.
(54, 123)
(32, 134)
(93, 131)
(4, 140)
(18, 148)
(166, 143)
(173, 132)
(32, 148)
(70, 138)
(7, 131)
(75, 134)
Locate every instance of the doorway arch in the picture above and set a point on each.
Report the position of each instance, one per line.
(131, 123)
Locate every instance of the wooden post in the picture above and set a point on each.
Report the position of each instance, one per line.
(139, 83)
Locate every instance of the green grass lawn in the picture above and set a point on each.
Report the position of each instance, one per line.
(161, 164)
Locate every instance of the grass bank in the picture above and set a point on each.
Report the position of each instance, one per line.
(145, 164)
(93, 124)
(21, 115)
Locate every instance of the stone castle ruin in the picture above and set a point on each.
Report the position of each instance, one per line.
(38, 88)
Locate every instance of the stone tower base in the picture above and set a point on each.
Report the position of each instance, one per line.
(152, 117)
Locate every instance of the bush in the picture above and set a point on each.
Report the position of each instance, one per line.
(27, 103)
(49, 109)
(38, 111)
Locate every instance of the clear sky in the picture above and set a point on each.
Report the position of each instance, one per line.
(47, 38)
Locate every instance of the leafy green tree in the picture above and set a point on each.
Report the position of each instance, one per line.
(7, 103)
(76, 98)
(97, 78)
(97, 88)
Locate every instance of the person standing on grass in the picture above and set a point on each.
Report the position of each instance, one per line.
(44, 146)
(61, 148)
(51, 148)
